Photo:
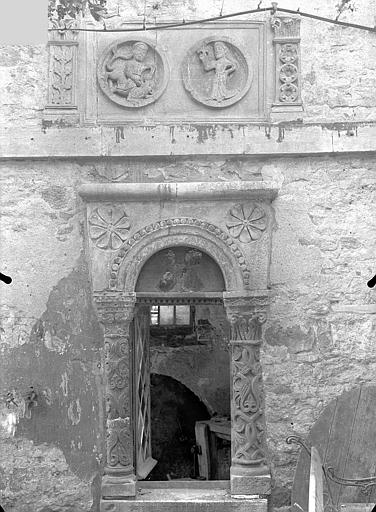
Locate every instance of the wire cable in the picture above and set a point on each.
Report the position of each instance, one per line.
(225, 16)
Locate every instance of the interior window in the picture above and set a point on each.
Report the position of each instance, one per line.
(170, 315)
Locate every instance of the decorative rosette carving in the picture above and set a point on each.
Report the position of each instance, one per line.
(246, 222)
(133, 73)
(109, 227)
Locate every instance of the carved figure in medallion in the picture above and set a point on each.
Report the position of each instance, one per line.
(132, 73)
(216, 73)
(219, 59)
(129, 75)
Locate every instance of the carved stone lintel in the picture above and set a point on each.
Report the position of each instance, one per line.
(249, 470)
(115, 312)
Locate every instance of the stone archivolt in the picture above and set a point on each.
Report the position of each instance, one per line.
(132, 73)
(216, 72)
(180, 221)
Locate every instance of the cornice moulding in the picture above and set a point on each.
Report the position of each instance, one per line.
(193, 191)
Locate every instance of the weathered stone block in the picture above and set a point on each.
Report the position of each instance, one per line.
(243, 484)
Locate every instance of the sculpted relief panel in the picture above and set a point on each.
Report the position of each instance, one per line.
(216, 73)
(132, 73)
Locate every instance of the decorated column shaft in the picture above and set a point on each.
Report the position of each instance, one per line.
(115, 311)
(286, 42)
(250, 473)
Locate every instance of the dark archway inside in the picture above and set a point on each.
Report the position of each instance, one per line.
(174, 412)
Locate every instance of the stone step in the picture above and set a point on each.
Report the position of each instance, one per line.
(185, 500)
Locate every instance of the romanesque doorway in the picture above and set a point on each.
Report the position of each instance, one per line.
(181, 368)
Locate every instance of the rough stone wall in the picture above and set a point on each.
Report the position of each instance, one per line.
(319, 339)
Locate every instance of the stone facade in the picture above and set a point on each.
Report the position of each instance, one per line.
(318, 335)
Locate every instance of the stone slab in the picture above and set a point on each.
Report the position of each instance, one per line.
(190, 139)
(242, 485)
(185, 500)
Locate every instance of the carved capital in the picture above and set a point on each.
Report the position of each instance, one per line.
(246, 315)
(115, 311)
(286, 27)
(63, 29)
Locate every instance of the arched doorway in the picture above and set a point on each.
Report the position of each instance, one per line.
(174, 412)
(180, 324)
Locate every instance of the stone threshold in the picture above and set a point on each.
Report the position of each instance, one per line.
(189, 496)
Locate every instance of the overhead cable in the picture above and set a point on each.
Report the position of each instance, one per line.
(167, 26)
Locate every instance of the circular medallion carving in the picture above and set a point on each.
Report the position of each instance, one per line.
(216, 72)
(132, 73)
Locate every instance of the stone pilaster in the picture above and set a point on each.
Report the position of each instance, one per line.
(250, 474)
(62, 72)
(115, 312)
(287, 102)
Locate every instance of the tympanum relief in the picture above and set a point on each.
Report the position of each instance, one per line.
(216, 73)
(132, 73)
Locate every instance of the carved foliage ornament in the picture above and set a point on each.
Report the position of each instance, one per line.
(246, 222)
(247, 327)
(108, 227)
(216, 73)
(61, 65)
(119, 442)
(132, 73)
(248, 425)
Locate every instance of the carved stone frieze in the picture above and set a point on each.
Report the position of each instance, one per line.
(132, 73)
(213, 230)
(216, 72)
(246, 222)
(109, 227)
(248, 426)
